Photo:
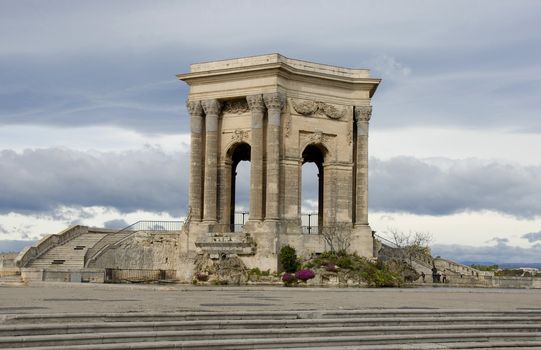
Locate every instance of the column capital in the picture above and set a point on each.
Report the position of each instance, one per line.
(275, 100)
(212, 107)
(194, 108)
(363, 113)
(256, 103)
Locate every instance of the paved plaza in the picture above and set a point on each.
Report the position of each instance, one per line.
(83, 298)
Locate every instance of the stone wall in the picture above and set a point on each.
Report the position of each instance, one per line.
(143, 250)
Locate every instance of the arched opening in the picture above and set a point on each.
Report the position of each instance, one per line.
(240, 186)
(312, 178)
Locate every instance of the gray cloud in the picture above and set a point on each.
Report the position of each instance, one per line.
(499, 254)
(50, 93)
(70, 64)
(116, 224)
(13, 246)
(442, 186)
(498, 240)
(41, 180)
(532, 236)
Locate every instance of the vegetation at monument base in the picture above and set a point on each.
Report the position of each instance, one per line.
(342, 268)
(331, 268)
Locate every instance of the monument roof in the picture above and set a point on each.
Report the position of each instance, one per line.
(273, 61)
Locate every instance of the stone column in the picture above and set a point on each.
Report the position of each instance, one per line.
(195, 198)
(212, 110)
(257, 107)
(274, 102)
(362, 116)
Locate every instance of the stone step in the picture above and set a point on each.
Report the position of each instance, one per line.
(385, 314)
(50, 264)
(506, 345)
(235, 327)
(106, 341)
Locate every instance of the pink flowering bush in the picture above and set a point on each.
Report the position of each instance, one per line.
(289, 279)
(305, 274)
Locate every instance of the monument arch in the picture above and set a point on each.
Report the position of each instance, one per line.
(278, 113)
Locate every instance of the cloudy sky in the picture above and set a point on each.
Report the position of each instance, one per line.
(93, 127)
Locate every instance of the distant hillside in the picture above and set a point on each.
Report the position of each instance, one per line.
(9, 246)
(503, 265)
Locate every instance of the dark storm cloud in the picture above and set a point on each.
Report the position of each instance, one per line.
(38, 181)
(74, 64)
(532, 236)
(442, 187)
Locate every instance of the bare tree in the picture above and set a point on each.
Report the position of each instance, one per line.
(411, 245)
(337, 236)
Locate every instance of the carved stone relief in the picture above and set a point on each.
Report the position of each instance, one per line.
(236, 107)
(317, 137)
(239, 135)
(308, 107)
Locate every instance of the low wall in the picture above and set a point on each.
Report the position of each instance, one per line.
(515, 282)
(446, 265)
(29, 274)
(86, 275)
(9, 271)
(138, 275)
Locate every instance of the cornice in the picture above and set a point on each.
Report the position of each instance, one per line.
(277, 68)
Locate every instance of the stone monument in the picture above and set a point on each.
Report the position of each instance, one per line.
(277, 113)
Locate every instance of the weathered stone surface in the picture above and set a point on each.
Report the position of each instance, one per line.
(143, 250)
(286, 111)
(228, 270)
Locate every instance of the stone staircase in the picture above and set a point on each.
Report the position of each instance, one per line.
(330, 329)
(69, 255)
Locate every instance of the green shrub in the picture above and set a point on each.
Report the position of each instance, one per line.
(255, 271)
(288, 259)
(345, 262)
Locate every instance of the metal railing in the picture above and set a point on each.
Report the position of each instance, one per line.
(154, 225)
(309, 223)
(241, 217)
(310, 230)
(386, 241)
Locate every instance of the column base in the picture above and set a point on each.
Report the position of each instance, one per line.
(362, 241)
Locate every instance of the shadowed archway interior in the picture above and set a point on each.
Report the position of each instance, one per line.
(241, 153)
(315, 154)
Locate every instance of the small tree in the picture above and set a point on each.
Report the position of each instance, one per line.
(288, 259)
(337, 236)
